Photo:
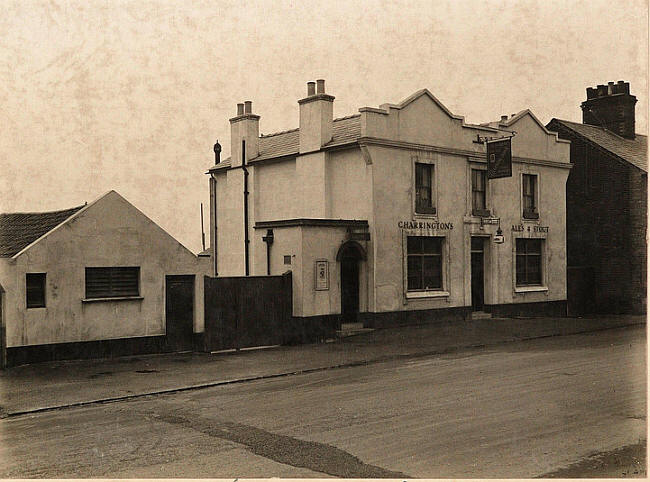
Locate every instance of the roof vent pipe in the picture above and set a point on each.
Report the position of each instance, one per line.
(248, 107)
(240, 109)
(311, 88)
(320, 86)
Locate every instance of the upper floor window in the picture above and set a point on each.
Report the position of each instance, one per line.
(479, 193)
(529, 196)
(424, 191)
(424, 269)
(113, 282)
(35, 290)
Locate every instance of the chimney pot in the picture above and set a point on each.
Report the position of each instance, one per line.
(248, 107)
(320, 86)
(512, 115)
(504, 118)
(240, 109)
(311, 88)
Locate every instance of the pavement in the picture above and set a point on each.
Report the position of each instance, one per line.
(55, 385)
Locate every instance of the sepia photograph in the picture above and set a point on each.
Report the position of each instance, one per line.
(364, 239)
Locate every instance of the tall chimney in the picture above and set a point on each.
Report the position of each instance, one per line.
(316, 117)
(244, 127)
(612, 107)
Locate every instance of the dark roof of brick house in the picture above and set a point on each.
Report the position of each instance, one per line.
(634, 151)
(19, 230)
(287, 143)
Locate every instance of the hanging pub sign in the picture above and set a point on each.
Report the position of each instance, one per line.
(499, 158)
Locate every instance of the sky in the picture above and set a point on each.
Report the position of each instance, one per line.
(132, 95)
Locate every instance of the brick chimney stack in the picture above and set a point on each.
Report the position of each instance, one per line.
(245, 126)
(316, 117)
(610, 106)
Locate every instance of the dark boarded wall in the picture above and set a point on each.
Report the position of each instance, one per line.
(243, 312)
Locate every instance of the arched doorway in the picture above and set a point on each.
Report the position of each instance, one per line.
(349, 257)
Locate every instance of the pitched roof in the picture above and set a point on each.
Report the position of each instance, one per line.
(287, 143)
(19, 230)
(634, 151)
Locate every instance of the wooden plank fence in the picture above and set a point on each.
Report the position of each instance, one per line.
(246, 311)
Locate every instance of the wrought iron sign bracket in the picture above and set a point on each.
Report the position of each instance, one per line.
(483, 140)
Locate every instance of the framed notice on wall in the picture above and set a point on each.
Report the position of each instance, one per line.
(322, 279)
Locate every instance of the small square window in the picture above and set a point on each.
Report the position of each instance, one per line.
(287, 259)
(35, 290)
(424, 202)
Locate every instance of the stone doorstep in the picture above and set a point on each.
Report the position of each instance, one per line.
(351, 329)
(481, 315)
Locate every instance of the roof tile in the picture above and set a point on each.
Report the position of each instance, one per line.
(19, 230)
(634, 151)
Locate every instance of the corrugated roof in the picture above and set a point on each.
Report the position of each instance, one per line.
(634, 151)
(287, 143)
(19, 230)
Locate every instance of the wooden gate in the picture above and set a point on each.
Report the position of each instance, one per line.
(242, 312)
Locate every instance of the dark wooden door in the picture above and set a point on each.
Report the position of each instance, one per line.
(179, 311)
(349, 289)
(478, 281)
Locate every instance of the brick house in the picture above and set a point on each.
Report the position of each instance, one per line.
(606, 199)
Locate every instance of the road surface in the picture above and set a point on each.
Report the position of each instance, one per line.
(518, 410)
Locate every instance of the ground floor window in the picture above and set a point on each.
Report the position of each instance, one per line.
(112, 282)
(35, 290)
(529, 262)
(424, 268)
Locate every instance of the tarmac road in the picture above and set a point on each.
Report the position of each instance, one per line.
(518, 410)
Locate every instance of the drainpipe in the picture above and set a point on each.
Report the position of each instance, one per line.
(246, 240)
(213, 190)
(268, 239)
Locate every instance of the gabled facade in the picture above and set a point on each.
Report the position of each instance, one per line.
(95, 281)
(386, 216)
(606, 204)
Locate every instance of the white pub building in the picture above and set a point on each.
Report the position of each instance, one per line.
(387, 216)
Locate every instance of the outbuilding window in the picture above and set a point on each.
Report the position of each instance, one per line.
(529, 193)
(424, 192)
(35, 290)
(424, 263)
(479, 190)
(529, 262)
(112, 282)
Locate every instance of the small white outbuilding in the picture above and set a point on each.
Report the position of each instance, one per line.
(97, 280)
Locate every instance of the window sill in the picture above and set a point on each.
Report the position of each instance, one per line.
(116, 298)
(431, 213)
(426, 294)
(530, 216)
(530, 289)
(481, 213)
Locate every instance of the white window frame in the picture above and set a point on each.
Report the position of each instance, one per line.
(543, 286)
(426, 294)
(538, 189)
(434, 187)
(473, 164)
